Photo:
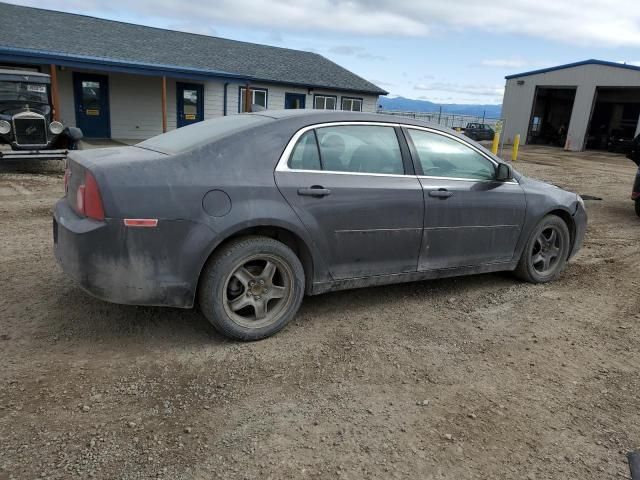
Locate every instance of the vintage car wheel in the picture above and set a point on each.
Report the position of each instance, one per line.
(638, 207)
(251, 288)
(546, 252)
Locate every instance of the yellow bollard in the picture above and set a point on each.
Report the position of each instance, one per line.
(516, 145)
(496, 142)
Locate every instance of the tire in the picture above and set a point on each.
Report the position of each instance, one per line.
(251, 288)
(638, 207)
(546, 252)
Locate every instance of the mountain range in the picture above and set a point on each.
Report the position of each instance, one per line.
(410, 105)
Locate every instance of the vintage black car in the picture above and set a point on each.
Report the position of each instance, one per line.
(27, 128)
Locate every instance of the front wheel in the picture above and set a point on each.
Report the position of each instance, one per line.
(546, 252)
(638, 207)
(251, 288)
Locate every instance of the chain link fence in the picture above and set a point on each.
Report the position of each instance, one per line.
(454, 121)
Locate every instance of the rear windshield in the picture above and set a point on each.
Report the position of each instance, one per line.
(201, 133)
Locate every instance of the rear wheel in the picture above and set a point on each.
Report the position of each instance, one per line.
(251, 288)
(638, 207)
(546, 252)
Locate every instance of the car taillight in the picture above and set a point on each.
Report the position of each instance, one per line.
(88, 200)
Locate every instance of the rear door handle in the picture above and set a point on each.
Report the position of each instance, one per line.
(314, 191)
(442, 193)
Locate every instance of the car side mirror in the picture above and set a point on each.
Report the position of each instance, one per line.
(504, 172)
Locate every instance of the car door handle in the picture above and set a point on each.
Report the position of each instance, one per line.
(442, 193)
(314, 191)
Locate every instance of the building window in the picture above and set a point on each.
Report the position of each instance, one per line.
(258, 97)
(352, 104)
(324, 102)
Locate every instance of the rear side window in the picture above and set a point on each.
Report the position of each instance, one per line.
(305, 154)
(442, 156)
(360, 149)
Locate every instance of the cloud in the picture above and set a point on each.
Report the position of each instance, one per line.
(449, 92)
(382, 83)
(475, 90)
(504, 63)
(275, 37)
(635, 63)
(355, 51)
(584, 22)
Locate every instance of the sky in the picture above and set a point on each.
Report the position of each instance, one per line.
(443, 51)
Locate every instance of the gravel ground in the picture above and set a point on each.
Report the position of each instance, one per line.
(475, 377)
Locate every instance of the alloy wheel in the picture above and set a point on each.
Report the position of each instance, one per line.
(258, 291)
(547, 250)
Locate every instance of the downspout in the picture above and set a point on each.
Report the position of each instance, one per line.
(224, 100)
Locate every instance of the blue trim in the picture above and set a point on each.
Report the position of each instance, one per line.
(31, 56)
(260, 89)
(576, 64)
(323, 95)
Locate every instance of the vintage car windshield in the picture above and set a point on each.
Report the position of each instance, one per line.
(201, 133)
(23, 91)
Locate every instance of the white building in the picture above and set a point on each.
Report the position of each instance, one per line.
(120, 80)
(575, 106)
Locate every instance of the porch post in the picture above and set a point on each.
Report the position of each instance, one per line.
(247, 99)
(164, 104)
(55, 98)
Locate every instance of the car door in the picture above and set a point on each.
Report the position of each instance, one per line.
(349, 185)
(469, 217)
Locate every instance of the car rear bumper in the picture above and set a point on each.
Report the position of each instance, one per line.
(11, 155)
(136, 266)
(580, 226)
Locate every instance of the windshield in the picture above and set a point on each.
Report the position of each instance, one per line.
(201, 133)
(23, 91)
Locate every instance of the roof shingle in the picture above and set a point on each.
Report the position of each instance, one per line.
(72, 35)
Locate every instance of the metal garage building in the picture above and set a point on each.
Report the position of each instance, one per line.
(125, 81)
(576, 106)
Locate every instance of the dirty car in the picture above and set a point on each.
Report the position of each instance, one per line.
(244, 215)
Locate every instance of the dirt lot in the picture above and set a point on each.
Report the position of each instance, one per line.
(477, 377)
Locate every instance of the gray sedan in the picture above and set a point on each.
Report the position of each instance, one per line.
(244, 215)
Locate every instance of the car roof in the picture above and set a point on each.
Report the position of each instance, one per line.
(14, 74)
(321, 116)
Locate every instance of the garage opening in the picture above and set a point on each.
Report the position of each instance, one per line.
(550, 115)
(614, 119)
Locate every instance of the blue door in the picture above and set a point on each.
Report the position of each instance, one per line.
(190, 98)
(91, 93)
(294, 100)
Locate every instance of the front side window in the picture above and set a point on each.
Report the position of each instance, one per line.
(442, 156)
(352, 104)
(324, 102)
(258, 97)
(360, 148)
